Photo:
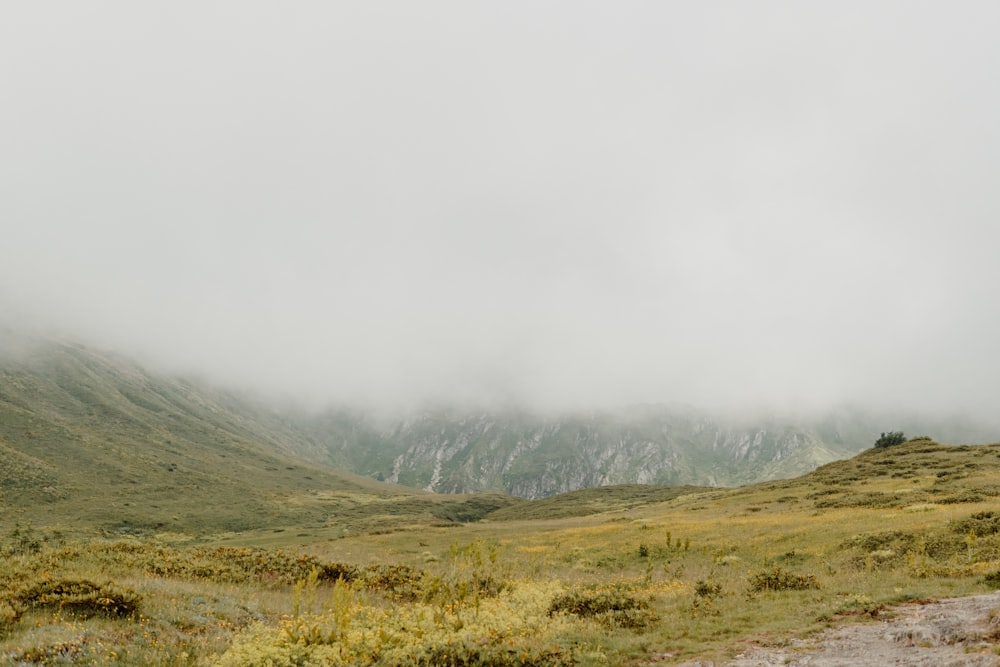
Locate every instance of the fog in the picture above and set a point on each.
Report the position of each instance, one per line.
(551, 204)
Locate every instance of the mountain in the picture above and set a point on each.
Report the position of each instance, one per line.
(91, 437)
(534, 456)
(92, 440)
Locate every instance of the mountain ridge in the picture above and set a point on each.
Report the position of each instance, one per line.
(93, 438)
(533, 456)
(67, 410)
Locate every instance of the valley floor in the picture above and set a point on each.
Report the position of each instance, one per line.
(839, 567)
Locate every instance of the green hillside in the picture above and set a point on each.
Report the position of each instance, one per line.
(91, 441)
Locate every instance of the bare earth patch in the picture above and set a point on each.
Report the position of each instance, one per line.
(959, 632)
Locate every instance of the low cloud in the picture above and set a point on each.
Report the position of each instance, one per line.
(556, 205)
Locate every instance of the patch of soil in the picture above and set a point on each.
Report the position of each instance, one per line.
(959, 632)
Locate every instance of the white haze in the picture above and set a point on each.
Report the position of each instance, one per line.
(543, 203)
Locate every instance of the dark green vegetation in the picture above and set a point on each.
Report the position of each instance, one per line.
(611, 606)
(72, 597)
(781, 580)
(891, 438)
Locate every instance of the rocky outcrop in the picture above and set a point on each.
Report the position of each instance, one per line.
(535, 456)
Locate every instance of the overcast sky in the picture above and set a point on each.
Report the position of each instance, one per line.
(548, 203)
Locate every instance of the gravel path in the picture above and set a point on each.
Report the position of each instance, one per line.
(959, 632)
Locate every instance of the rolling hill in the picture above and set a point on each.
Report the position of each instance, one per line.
(88, 439)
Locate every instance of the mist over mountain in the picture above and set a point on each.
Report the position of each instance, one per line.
(563, 206)
(68, 410)
(474, 307)
(532, 455)
(456, 246)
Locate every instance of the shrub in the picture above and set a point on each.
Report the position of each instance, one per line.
(337, 572)
(223, 564)
(859, 605)
(78, 597)
(781, 580)
(992, 579)
(705, 589)
(24, 540)
(510, 630)
(870, 500)
(703, 603)
(611, 606)
(10, 613)
(890, 439)
(61, 653)
(473, 573)
(968, 496)
(398, 582)
(981, 523)
(882, 541)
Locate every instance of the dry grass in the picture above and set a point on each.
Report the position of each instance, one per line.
(690, 569)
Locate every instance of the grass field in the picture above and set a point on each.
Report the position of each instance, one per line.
(623, 575)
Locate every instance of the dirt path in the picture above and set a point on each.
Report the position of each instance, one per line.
(959, 632)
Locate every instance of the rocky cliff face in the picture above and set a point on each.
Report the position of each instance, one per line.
(533, 456)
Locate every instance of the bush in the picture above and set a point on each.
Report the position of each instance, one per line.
(968, 496)
(890, 439)
(992, 580)
(223, 564)
(980, 523)
(870, 500)
(612, 607)
(510, 630)
(892, 539)
(78, 597)
(706, 589)
(397, 582)
(10, 613)
(780, 580)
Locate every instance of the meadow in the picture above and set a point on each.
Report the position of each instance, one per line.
(620, 576)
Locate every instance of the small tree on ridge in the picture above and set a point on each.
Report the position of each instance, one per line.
(891, 438)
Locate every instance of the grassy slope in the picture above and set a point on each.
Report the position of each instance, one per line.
(908, 522)
(882, 527)
(88, 441)
(592, 501)
(91, 441)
